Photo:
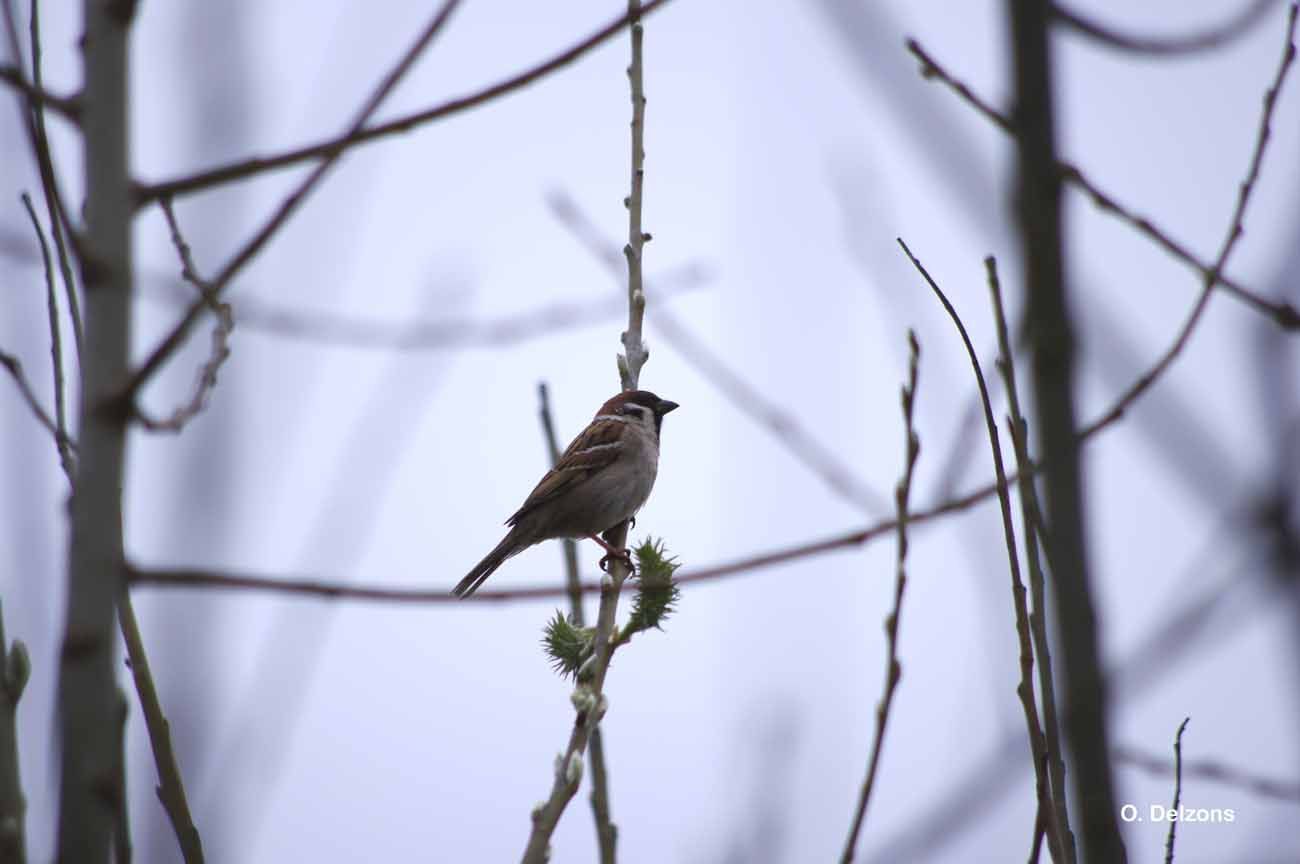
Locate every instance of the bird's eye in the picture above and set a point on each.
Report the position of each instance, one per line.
(632, 410)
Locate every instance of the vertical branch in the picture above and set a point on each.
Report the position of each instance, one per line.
(630, 363)
(606, 830)
(170, 789)
(1051, 339)
(588, 697)
(1029, 511)
(1025, 689)
(1178, 789)
(88, 804)
(56, 351)
(49, 182)
(893, 671)
(14, 672)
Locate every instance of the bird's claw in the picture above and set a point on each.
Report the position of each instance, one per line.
(624, 555)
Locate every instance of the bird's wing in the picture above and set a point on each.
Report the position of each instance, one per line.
(595, 449)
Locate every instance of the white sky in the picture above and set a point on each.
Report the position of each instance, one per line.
(785, 152)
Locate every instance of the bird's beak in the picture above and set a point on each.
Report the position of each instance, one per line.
(665, 406)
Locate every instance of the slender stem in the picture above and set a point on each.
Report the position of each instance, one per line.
(893, 670)
(1029, 519)
(1178, 789)
(606, 830)
(61, 439)
(171, 789)
(1025, 689)
(630, 363)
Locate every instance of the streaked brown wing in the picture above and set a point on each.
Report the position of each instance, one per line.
(592, 451)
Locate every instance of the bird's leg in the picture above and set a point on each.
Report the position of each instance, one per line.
(612, 553)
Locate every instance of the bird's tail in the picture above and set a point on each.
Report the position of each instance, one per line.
(485, 568)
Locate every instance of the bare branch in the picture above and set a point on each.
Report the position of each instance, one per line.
(1218, 36)
(221, 330)
(336, 146)
(1208, 769)
(15, 368)
(1031, 520)
(287, 207)
(68, 107)
(1025, 689)
(61, 439)
(783, 425)
(1282, 313)
(606, 830)
(1178, 789)
(630, 363)
(893, 670)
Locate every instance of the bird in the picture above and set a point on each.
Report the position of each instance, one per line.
(602, 479)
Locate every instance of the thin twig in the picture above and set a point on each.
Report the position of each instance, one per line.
(588, 698)
(210, 178)
(784, 426)
(893, 670)
(287, 207)
(1215, 772)
(54, 205)
(1031, 521)
(1218, 36)
(122, 830)
(1234, 233)
(1025, 689)
(171, 789)
(606, 830)
(15, 367)
(1282, 313)
(61, 438)
(207, 378)
(1178, 789)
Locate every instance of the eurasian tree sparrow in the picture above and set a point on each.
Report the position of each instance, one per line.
(602, 479)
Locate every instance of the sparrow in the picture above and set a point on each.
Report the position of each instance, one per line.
(602, 479)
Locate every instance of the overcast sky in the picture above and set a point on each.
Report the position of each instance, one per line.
(788, 145)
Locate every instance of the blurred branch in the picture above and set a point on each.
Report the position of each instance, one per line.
(61, 438)
(40, 144)
(15, 367)
(588, 698)
(1207, 769)
(68, 107)
(207, 377)
(334, 147)
(893, 670)
(89, 745)
(442, 334)
(1178, 789)
(1282, 313)
(1218, 36)
(740, 393)
(1025, 690)
(170, 789)
(15, 670)
(606, 830)
(1031, 520)
(287, 207)
(1050, 332)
